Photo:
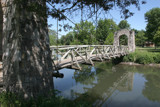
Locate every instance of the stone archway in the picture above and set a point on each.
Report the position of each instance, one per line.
(130, 35)
(1, 29)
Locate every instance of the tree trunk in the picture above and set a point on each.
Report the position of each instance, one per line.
(27, 65)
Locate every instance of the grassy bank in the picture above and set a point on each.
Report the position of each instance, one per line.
(144, 56)
(11, 100)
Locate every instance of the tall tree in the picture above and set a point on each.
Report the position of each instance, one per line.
(157, 37)
(140, 38)
(67, 39)
(52, 37)
(104, 28)
(26, 55)
(109, 39)
(153, 22)
(84, 32)
(123, 24)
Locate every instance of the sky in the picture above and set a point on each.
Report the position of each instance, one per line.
(137, 21)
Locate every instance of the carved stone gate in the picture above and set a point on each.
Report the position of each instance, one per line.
(130, 35)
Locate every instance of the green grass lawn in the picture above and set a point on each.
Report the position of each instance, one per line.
(148, 49)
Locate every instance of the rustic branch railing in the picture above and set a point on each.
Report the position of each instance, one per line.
(73, 55)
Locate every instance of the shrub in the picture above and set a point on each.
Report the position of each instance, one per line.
(156, 58)
(125, 59)
(142, 57)
(11, 100)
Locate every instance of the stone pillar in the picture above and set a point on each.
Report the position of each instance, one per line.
(116, 39)
(131, 43)
(1, 29)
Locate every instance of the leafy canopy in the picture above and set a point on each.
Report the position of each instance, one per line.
(52, 37)
(57, 8)
(84, 32)
(104, 28)
(123, 25)
(153, 22)
(157, 37)
(67, 39)
(140, 38)
(109, 39)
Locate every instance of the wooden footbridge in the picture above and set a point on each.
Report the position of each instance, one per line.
(72, 55)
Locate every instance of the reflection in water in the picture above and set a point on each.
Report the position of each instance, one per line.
(108, 85)
(152, 86)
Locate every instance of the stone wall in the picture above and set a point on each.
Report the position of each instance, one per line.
(1, 27)
(130, 35)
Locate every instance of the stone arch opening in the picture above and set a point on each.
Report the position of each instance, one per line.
(123, 40)
(130, 35)
(1, 29)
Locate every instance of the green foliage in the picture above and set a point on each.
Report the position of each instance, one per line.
(104, 28)
(123, 40)
(140, 38)
(52, 37)
(152, 86)
(84, 32)
(156, 58)
(109, 39)
(75, 5)
(129, 58)
(123, 24)
(157, 37)
(52, 40)
(153, 19)
(7, 99)
(11, 100)
(67, 39)
(142, 57)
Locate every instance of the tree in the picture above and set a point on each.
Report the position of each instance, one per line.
(27, 64)
(123, 40)
(123, 24)
(140, 38)
(109, 39)
(104, 28)
(157, 37)
(52, 37)
(84, 32)
(152, 85)
(67, 39)
(153, 22)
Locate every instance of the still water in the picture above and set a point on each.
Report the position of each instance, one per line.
(112, 85)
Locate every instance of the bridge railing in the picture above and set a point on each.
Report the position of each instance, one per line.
(75, 54)
(62, 51)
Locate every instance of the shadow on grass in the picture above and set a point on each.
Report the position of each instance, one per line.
(148, 49)
(153, 50)
(12, 100)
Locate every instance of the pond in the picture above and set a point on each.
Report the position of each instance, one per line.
(111, 85)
